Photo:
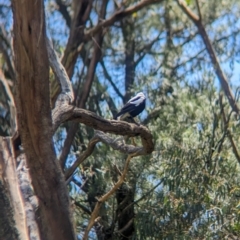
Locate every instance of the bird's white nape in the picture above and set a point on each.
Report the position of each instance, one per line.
(137, 99)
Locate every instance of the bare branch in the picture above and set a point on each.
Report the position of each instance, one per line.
(199, 10)
(82, 157)
(152, 115)
(188, 11)
(68, 143)
(100, 136)
(222, 78)
(66, 96)
(89, 79)
(110, 80)
(94, 215)
(62, 8)
(68, 113)
(128, 224)
(118, 16)
(82, 207)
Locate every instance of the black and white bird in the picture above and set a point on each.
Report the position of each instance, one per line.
(133, 107)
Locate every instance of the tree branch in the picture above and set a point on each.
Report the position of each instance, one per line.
(202, 31)
(94, 215)
(62, 8)
(199, 10)
(66, 95)
(68, 113)
(91, 145)
(118, 16)
(110, 80)
(102, 137)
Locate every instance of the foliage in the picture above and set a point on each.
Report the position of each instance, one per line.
(189, 187)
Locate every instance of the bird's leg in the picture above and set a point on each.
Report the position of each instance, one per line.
(134, 120)
(130, 119)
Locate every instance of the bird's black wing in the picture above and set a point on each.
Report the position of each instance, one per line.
(126, 108)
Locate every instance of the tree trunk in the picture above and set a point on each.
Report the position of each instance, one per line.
(35, 123)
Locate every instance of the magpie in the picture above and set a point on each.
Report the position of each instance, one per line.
(133, 107)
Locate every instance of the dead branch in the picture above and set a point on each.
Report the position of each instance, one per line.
(109, 78)
(68, 143)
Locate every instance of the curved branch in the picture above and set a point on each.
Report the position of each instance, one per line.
(70, 113)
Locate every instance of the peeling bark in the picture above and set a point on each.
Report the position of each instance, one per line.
(35, 124)
(12, 214)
